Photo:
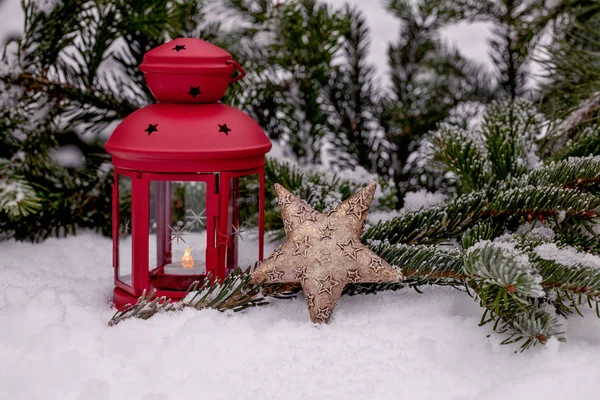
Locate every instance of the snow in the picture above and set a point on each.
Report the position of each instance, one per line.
(416, 200)
(55, 343)
(567, 255)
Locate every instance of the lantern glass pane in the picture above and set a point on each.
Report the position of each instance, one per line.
(125, 229)
(243, 217)
(177, 222)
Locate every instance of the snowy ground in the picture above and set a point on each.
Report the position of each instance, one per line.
(55, 343)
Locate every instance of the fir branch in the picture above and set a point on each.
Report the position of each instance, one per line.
(235, 293)
(545, 202)
(509, 128)
(432, 225)
(504, 266)
(576, 237)
(420, 265)
(484, 230)
(120, 108)
(581, 173)
(17, 197)
(533, 327)
(463, 154)
(577, 279)
(585, 142)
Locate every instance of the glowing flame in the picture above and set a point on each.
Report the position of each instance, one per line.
(187, 261)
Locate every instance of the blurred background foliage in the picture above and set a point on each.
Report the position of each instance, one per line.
(74, 75)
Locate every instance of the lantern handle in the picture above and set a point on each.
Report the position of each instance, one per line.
(240, 70)
(222, 239)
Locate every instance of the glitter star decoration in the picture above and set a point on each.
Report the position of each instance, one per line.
(323, 252)
(196, 218)
(237, 231)
(177, 233)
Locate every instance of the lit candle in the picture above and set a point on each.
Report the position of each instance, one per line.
(184, 267)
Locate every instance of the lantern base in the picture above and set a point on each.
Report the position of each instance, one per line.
(168, 281)
(121, 298)
(174, 287)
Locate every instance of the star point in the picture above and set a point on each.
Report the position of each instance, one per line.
(323, 314)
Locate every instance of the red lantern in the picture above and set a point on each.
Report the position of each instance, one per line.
(189, 177)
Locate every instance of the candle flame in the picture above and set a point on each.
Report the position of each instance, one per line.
(187, 261)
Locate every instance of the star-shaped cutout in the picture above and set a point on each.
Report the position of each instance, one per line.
(376, 264)
(323, 314)
(179, 47)
(223, 128)
(324, 257)
(151, 128)
(322, 266)
(194, 91)
(310, 300)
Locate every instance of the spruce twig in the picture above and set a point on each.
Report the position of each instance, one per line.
(235, 293)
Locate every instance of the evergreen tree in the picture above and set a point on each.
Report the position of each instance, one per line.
(73, 74)
(571, 92)
(429, 82)
(76, 73)
(353, 98)
(517, 28)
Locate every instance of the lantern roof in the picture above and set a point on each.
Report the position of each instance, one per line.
(187, 131)
(185, 55)
(184, 132)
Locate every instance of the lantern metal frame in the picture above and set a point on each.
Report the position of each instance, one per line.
(217, 205)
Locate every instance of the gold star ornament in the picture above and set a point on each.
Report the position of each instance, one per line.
(323, 252)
